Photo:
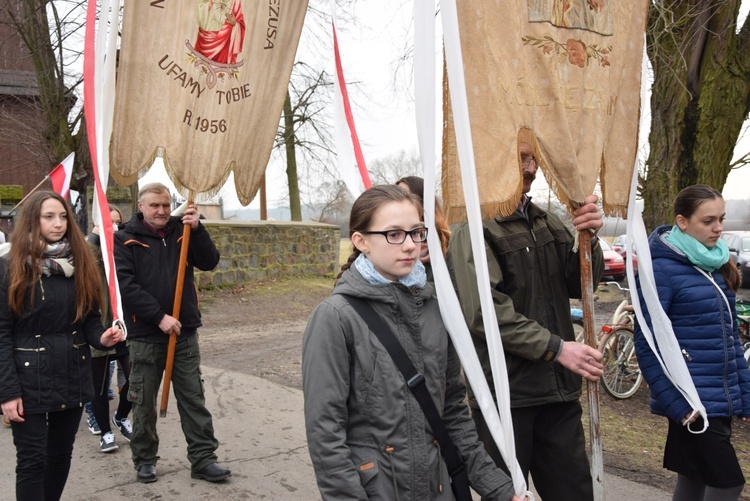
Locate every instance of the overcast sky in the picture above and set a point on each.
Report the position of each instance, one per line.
(383, 97)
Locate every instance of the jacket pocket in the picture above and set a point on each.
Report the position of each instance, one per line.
(371, 480)
(30, 358)
(31, 367)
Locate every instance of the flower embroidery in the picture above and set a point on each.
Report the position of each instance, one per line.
(574, 51)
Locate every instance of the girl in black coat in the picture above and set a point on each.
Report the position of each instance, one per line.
(49, 315)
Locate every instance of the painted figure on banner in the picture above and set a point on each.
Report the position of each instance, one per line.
(592, 15)
(221, 29)
(186, 66)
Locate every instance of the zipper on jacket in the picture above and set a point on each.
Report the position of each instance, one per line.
(389, 450)
(687, 355)
(37, 350)
(164, 242)
(724, 337)
(41, 284)
(439, 466)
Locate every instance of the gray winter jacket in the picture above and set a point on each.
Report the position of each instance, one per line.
(366, 433)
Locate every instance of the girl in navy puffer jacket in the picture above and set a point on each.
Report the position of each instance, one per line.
(696, 283)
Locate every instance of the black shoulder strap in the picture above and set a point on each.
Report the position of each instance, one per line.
(416, 383)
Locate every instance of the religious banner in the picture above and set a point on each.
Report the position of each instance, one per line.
(561, 75)
(202, 84)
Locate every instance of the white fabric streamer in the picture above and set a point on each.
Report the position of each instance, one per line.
(670, 358)
(500, 423)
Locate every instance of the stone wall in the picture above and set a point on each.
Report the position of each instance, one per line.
(256, 251)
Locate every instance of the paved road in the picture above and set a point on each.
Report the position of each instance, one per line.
(261, 429)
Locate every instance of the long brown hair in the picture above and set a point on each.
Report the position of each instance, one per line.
(365, 207)
(416, 186)
(29, 245)
(686, 203)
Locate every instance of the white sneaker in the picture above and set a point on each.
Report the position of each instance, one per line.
(107, 442)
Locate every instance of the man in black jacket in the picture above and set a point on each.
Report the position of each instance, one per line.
(147, 253)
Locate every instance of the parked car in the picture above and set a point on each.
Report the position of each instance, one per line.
(739, 252)
(614, 264)
(727, 234)
(620, 245)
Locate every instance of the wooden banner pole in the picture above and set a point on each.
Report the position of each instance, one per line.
(29, 194)
(176, 314)
(592, 389)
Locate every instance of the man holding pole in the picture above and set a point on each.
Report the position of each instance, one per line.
(534, 270)
(147, 254)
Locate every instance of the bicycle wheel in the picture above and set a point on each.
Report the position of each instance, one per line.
(622, 376)
(578, 330)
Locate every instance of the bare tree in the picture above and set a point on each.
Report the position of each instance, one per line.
(46, 28)
(389, 169)
(303, 129)
(700, 98)
(335, 204)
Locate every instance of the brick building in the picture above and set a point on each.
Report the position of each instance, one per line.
(24, 156)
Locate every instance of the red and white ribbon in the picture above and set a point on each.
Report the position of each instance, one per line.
(100, 50)
(347, 141)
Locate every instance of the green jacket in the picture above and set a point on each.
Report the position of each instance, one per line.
(533, 274)
(105, 309)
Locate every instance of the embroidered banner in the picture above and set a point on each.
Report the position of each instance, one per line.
(202, 84)
(568, 72)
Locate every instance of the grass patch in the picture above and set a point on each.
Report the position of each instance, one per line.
(633, 440)
(269, 288)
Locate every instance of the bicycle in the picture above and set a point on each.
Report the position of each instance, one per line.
(743, 325)
(615, 340)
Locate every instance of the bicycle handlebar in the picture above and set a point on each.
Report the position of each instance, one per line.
(623, 289)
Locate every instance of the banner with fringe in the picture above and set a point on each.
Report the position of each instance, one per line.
(202, 84)
(566, 73)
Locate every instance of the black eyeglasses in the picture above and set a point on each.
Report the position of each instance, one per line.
(397, 237)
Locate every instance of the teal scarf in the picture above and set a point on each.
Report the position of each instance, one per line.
(701, 256)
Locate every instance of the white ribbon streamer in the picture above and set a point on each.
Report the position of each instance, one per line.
(670, 358)
(498, 418)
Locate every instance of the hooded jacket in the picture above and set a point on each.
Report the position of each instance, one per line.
(534, 272)
(706, 330)
(147, 272)
(367, 435)
(45, 356)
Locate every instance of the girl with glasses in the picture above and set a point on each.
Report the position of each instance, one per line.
(367, 434)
